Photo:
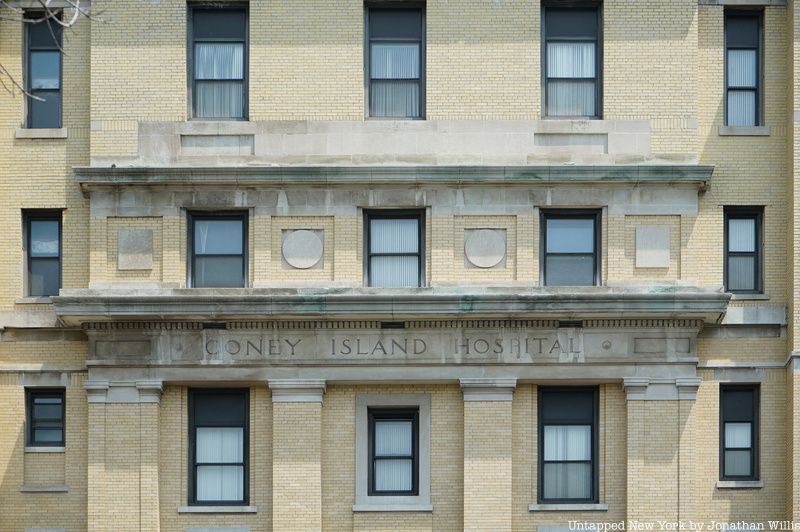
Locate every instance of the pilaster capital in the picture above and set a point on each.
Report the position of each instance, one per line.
(654, 389)
(297, 390)
(488, 389)
(123, 392)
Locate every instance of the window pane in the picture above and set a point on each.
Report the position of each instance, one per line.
(219, 61)
(44, 277)
(217, 237)
(570, 98)
(50, 411)
(45, 70)
(221, 409)
(567, 481)
(395, 61)
(741, 31)
(564, 270)
(394, 272)
(219, 24)
(742, 68)
(395, 23)
(218, 272)
(570, 59)
(571, 22)
(742, 235)
(741, 108)
(738, 405)
(45, 113)
(393, 475)
(218, 99)
(737, 435)
(220, 445)
(398, 99)
(741, 273)
(570, 235)
(44, 238)
(45, 34)
(220, 483)
(47, 435)
(737, 464)
(568, 442)
(573, 406)
(393, 438)
(394, 236)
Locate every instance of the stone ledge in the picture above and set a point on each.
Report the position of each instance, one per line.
(217, 509)
(568, 507)
(744, 131)
(31, 300)
(742, 2)
(488, 389)
(739, 484)
(398, 507)
(56, 488)
(43, 449)
(43, 133)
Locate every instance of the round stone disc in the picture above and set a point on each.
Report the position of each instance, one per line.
(485, 248)
(302, 249)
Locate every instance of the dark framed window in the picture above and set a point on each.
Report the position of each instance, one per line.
(571, 59)
(218, 446)
(570, 248)
(393, 451)
(568, 420)
(46, 417)
(743, 67)
(394, 242)
(395, 60)
(218, 250)
(43, 71)
(43, 252)
(739, 432)
(744, 249)
(218, 60)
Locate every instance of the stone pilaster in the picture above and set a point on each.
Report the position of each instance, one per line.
(123, 453)
(297, 454)
(487, 453)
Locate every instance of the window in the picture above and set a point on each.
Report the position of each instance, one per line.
(43, 245)
(43, 67)
(568, 444)
(572, 60)
(742, 67)
(218, 436)
(394, 245)
(393, 452)
(743, 249)
(45, 417)
(739, 432)
(395, 61)
(570, 240)
(218, 61)
(218, 250)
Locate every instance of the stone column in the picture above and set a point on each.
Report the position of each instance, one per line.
(297, 454)
(123, 450)
(661, 455)
(487, 453)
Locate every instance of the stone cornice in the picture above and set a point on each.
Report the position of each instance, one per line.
(92, 176)
(80, 306)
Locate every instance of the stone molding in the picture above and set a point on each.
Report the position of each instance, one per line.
(123, 392)
(488, 389)
(661, 389)
(297, 390)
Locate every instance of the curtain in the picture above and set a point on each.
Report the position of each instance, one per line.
(220, 446)
(566, 444)
(218, 237)
(742, 235)
(571, 97)
(394, 236)
(219, 75)
(393, 438)
(742, 68)
(741, 108)
(394, 73)
(741, 269)
(737, 434)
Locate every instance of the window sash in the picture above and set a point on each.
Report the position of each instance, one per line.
(32, 258)
(754, 89)
(32, 121)
(38, 423)
(194, 278)
(756, 216)
(393, 415)
(371, 255)
(546, 245)
(730, 448)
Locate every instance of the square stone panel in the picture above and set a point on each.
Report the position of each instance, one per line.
(652, 246)
(135, 249)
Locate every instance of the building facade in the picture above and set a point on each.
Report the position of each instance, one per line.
(445, 265)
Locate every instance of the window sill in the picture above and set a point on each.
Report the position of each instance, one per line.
(217, 509)
(44, 449)
(744, 131)
(41, 133)
(392, 507)
(749, 297)
(44, 300)
(568, 507)
(58, 488)
(740, 484)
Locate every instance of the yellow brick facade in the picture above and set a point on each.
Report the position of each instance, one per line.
(128, 361)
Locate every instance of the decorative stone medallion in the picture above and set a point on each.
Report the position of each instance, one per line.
(135, 249)
(485, 248)
(302, 248)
